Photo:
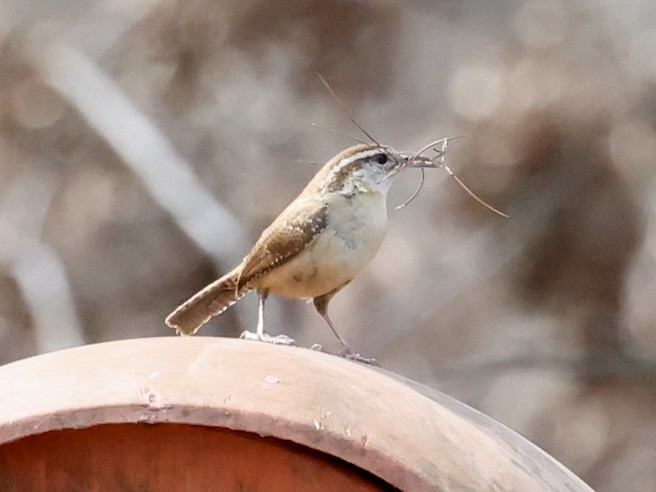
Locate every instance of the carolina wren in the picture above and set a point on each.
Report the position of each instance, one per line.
(316, 246)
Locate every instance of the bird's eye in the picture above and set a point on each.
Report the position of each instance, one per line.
(381, 158)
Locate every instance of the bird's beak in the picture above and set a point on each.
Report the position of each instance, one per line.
(412, 160)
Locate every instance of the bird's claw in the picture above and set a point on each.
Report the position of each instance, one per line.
(346, 354)
(350, 355)
(274, 339)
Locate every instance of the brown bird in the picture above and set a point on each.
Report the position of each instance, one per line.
(316, 246)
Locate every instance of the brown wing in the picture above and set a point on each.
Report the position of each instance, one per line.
(295, 228)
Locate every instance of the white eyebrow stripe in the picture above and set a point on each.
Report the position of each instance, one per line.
(357, 156)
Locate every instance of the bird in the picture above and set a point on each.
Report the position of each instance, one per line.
(316, 245)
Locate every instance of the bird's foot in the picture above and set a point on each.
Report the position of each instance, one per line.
(347, 354)
(274, 339)
(350, 355)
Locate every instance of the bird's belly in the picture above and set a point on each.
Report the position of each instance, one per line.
(349, 242)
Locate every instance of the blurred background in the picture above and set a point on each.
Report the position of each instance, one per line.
(144, 144)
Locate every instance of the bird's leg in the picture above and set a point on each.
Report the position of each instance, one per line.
(321, 304)
(259, 332)
(261, 300)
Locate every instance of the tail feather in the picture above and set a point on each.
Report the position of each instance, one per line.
(211, 301)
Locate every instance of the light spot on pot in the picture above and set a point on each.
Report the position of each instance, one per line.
(271, 379)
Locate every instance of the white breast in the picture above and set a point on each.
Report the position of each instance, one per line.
(354, 232)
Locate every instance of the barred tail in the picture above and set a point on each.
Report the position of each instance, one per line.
(190, 316)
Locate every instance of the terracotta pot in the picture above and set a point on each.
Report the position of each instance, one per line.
(221, 414)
